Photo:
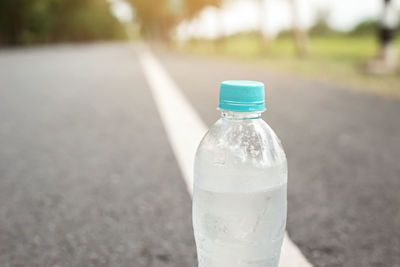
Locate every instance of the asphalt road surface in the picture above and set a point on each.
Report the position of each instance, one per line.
(88, 178)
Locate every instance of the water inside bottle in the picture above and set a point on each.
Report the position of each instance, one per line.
(239, 229)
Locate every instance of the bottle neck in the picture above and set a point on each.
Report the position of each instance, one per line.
(233, 115)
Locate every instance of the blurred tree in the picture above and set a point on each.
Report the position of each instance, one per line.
(321, 27)
(158, 17)
(367, 27)
(263, 38)
(300, 36)
(193, 7)
(83, 20)
(21, 18)
(40, 21)
(153, 17)
(221, 40)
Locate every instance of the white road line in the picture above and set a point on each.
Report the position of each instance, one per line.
(185, 129)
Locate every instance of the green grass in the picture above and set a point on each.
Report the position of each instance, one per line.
(335, 59)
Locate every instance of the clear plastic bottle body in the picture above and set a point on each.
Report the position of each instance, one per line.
(239, 198)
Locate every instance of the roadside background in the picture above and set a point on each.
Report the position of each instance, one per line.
(324, 40)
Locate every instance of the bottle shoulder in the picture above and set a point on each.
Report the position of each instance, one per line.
(236, 142)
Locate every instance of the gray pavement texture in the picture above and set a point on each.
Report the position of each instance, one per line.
(87, 176)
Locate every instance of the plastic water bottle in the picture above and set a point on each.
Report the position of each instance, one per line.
(240, 177)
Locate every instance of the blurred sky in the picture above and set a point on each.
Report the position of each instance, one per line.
(122, 10)
(244, 15)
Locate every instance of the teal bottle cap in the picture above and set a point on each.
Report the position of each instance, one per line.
(242, 96)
